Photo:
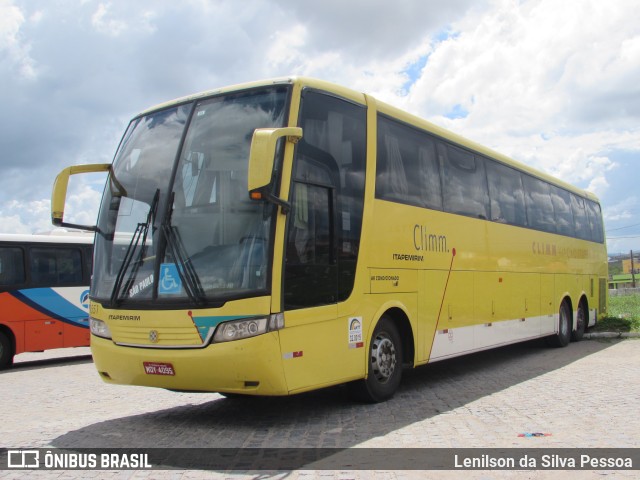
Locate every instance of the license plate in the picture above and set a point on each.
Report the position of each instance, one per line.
(157, 368)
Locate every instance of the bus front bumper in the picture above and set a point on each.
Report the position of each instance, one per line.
(251, 366)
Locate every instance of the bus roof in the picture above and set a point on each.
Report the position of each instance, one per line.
(384, 108)
(52, 237)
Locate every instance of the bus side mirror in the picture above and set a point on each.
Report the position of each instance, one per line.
(261, 163)
(59, 194)
(263, 150)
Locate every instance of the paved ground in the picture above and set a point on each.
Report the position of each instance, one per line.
(586, 395)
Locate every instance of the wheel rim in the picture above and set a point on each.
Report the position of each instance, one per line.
(383, 357)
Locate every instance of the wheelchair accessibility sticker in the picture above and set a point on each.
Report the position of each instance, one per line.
(170, 282)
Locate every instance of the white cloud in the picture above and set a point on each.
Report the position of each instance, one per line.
(624, 210)
(553, 84)
(103, 22)
(11, 45)
(283, 51)
(373, 31)
(25, 217)
(82, 206)
(15, 224)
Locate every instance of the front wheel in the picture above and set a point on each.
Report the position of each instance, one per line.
(6, 352)
(384, 365)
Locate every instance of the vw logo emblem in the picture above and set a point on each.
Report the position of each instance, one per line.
(153, 336)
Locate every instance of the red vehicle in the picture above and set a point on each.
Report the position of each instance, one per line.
(44, 292)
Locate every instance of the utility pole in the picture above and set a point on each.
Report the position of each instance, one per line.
(633, 274)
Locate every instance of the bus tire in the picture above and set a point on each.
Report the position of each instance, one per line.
(384, 365)
(563, 337)
(6, 351)
(581, 323)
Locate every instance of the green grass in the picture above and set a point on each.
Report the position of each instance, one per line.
(624, 315)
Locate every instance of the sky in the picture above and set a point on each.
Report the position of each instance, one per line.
(552, 84)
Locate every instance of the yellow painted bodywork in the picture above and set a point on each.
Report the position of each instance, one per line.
(498, 272)
(252, 365)
(434, 271)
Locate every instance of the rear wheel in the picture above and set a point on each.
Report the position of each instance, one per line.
(562, 338)
(384, 366)
(581, 324)
(6, 352)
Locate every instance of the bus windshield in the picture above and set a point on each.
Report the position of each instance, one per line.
(176, 224)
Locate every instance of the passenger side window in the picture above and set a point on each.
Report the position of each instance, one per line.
(327, 197)
(464, 182)
(11, 266)
(407, 167)
(56, 266)
(539, 207)
(507, 194)
(595, 221)
(561, 201)
(415, 168)
(583, 228)
(310, 239)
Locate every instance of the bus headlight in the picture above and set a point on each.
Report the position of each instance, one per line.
(99, 328)
(239, 329)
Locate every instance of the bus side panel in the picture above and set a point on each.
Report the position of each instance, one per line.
(75, 336)
(73, 306)
(15, 315)
(451, 337)
(430, 299)
(316, 350)
(521, 295)
(568, 285)
(487, 309)
(548, 306)
(43, 334)
(44, 318)
(500, 307)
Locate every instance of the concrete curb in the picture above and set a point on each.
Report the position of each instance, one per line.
(611, 335)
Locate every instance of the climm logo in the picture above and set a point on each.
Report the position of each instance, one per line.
(541, 248)
(425, 241)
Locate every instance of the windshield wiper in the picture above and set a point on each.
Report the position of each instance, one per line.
(186, 271)
(139, 238)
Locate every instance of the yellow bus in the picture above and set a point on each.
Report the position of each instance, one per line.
(282, 236)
